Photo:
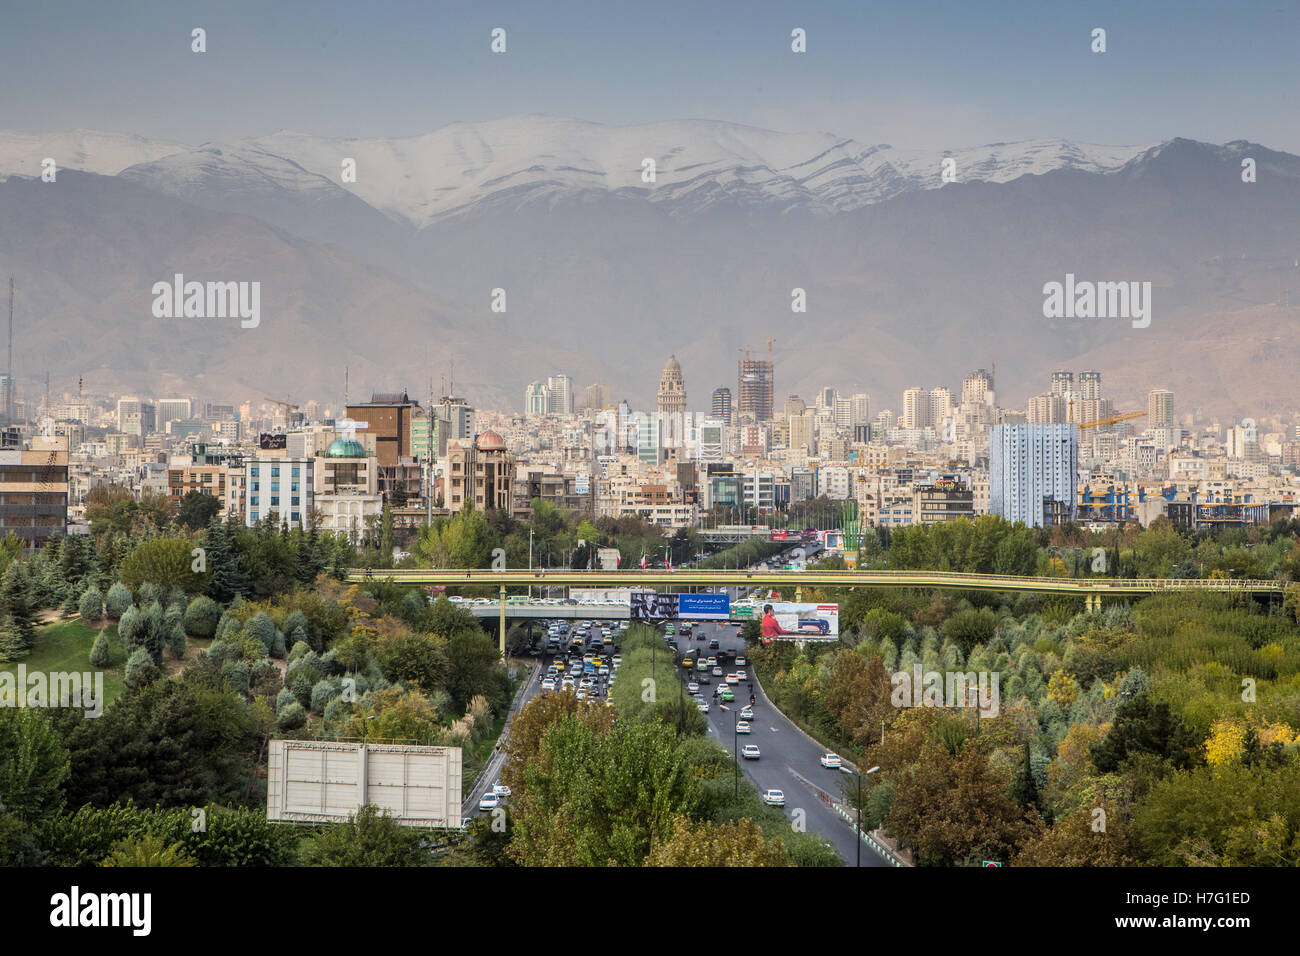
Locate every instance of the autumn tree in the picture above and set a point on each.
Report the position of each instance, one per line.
(702, 844)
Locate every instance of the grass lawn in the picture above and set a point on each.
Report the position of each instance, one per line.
(65, 646)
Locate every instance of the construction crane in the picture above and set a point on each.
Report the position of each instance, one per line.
(768, 342)
(286, 404)
(1111, 420)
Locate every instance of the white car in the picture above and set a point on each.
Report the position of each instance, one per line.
(489, 801)
(693, 687)
(702, 706)
(548, 685)
(501, 790)
(750, 751)
(747, 713)
(742, 727)
(774, 798)
(742, 675)
(733, 678)
(832, 761)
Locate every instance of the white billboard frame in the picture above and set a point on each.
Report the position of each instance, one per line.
(325, 781)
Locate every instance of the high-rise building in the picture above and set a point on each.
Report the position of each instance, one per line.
(537, 399)
(860, 409)
(1063, 384)
(388, 419)
(1160, 408)
(916, 408)
(170, 409)
(1033, 473)
(722, 405)
(794, 405)
(672, 388)
(826, 397)
(458, 415)
(280, 488)
(561, 392)
(754, 393)
(1090, 386)
(596, 397)
(977, 387)
(940, 404)
(1049, 409)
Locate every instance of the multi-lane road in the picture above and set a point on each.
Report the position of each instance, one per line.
(788, 761)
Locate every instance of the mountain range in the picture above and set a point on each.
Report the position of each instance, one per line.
(909, 279)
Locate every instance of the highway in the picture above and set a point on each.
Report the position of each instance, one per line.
(789, 761)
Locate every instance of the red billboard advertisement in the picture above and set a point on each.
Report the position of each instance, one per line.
(780, 535)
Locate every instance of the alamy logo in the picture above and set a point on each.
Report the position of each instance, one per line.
(208, 300)
(55, 689)
(1098, 300)
(949, 689)
(74, 909)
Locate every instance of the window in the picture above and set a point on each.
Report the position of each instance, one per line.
(252, 515)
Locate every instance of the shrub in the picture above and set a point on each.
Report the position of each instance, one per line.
(263, 628)
(300, 648)
(202, 617)
(301, 687)
(296, 621)
(176, 642)
(129, 626)
(218, 652)
(323, 693)
(150, 592)
(292, 716)
(263, 671)
(283, 700)
(235, 674)
(118, 600)
(153, 632)
(141, 669)
(91, 606)
(99, 652)
(277, 648)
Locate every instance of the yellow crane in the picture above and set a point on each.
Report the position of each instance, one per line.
(287, 405)
(1109, 420)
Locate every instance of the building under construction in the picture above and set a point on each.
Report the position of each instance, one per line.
(755, 386)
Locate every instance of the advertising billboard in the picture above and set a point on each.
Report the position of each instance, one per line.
(648, 605)
(807, 621)
(320, 781)
(268, 441)
(704, 607)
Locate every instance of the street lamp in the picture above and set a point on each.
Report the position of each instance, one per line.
(859, 776)
(530, 564)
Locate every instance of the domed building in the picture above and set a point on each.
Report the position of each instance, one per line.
(672, 389)
(479, 473)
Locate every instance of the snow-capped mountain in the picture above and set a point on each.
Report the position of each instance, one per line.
(525, 159)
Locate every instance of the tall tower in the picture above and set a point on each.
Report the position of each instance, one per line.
(755, 387)
(672, 388)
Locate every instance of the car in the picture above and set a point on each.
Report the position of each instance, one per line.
(704, 679)
(714, 645)
(702, 706)
(742, 675)
(774, 798)
(617, 659)
(831, 761)
(742, 727)
(713, 662)
(750, 751)
(693, 687)
(489, 801)
(501, 790)
(740, 660)
(602, 670)
(813, 625)
(668, 629)
(717, 671)
(725, 694)
(747, 713)
(548, 685)
(733, 678)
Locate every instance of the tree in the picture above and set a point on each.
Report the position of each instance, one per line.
(91, 606)
(33, 763)
(224, 563)
(1142, 726)
(528, 727)
(100, 655)
(15, 607)
(197, 508)
(473, 666)
(165, 563)
(369, 838)
(697, 844)
(118, 600)
(141, 669)
(1080, 838)
(201, 617)
(149, 850)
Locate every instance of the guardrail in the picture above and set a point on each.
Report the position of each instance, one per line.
(954, 580)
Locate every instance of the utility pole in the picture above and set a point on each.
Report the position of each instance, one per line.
(9, 373)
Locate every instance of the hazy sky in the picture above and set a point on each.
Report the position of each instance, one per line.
(925, 74)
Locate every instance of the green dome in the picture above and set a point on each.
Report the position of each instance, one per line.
(345, 448)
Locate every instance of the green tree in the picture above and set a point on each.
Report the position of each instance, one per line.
(196, 509)
(15, 607)
(1144, 726)
(100, 655)
(91, 606)
(369, 838)
(33, 764)
(148, 850)
(165, 563)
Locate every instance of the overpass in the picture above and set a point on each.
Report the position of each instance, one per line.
(1091, 589)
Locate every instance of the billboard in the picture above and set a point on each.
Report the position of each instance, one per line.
(704, 607)
(648, 605)
(807, 621)
(319, 781)
(266, 440)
